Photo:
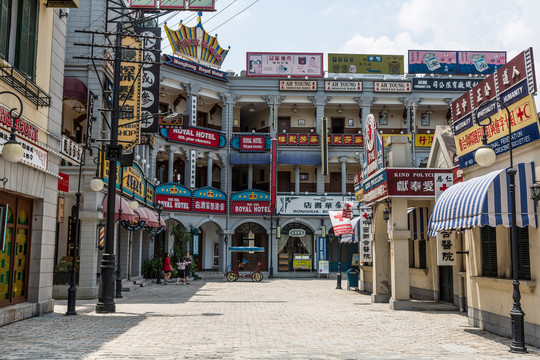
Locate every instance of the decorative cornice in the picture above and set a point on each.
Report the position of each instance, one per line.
(320, 100)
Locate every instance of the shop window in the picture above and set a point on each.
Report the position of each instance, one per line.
(4, 27)
(488, 238)
(524, 260)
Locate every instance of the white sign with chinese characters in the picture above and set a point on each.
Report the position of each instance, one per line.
(343, 86)
(446, 249)
(442, 182)
(72, 151)
(33, 155)
(364, 235)
(392, 86)
(307, 205)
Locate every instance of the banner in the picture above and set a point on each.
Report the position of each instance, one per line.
(340, 224)
(273, 174)
(324, 146)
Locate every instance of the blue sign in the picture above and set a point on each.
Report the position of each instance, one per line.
(322, 247)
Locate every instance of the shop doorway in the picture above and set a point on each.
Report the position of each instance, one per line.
(296, 248)
(284, 125)
(15, 254)
(446, 284)
(252, 235)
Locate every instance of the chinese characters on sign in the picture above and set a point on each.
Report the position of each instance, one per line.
(308, 204)
(446, 249)
(426, 84)
(298, 139)
(285, 64)
(365, 235)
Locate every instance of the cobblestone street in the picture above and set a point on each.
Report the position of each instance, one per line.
(277, 319)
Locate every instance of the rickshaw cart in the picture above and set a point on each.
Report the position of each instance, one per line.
(237, 270)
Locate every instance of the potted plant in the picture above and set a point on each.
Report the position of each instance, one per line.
(62, 272)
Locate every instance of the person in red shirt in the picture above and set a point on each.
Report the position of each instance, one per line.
(167, 269)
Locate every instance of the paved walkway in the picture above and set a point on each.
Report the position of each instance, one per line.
(274, 319)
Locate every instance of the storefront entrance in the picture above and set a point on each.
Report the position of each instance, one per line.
(15, 251)
(252, 235)
(296, 248)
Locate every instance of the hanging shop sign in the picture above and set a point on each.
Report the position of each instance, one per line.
(284, 64)
(71, 151)
(251, 143)
(365, 64)
(349, 86)
(363, 231)
(59, 210)
(209, 200)
(427, 84)
(173, 197)
(195, 44)
(151, 43)
(129, 129)
(195, 68)
(374, 149)
(324, 146)
(446, 249)
(423, 140)
(392, 86)
(34, 155)
(273, 175)
(512, 84)
(150, 194)
(308, 205)
(375, 187)
(321, 247)
(298, 139)
(297, 85)
(193, 136)
(251, 202)
(63, 182)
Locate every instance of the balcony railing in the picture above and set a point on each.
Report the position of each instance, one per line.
(24, 85)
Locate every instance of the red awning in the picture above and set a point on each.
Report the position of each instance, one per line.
(75, 89)
(151, 217)
(121, 203)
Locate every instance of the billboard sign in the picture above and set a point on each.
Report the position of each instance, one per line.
(512, 84)
(261, 64)
(366, 64)
(455, 62)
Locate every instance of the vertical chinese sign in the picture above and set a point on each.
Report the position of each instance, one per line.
(129, 129)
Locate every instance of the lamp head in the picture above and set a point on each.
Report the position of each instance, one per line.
(13, 150)
(96, 184)
(485, 155)
(133, 205)
(535, 191)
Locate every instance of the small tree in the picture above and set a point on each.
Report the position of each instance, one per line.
(181, 237)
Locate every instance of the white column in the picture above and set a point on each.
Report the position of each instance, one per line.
(171, 165)
(209, 170)
(297, 179)
(250, 176)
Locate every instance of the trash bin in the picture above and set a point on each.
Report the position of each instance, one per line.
(352, 279)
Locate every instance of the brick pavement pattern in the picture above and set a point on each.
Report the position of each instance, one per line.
(274, 319)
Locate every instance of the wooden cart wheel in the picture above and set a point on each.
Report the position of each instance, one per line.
(258, 276)
(231, 276)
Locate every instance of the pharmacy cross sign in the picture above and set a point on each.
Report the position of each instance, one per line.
(340, 224)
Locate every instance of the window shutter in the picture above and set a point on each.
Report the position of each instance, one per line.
(488, 237)
(25, 53)
(4, 28)
(524, 260)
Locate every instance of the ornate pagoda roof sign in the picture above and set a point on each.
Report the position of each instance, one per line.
(195, 44)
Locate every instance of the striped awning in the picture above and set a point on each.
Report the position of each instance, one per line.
(485, 200)
(417, 221)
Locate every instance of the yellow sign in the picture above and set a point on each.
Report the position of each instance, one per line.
(366, 64)
(522, 114)
(423, 140)
(129, 129)
(302, 264)
(386, 136)
(133, 182)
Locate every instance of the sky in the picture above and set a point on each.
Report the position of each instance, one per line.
(389, 27)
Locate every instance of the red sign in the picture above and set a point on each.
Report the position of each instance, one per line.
(21, 126)
(298, 139)
(273, 176)
(413, 182)
(174, 203)
(193, 136)
(250, 207)
(63, 182)
(210, 206)
(252, 143)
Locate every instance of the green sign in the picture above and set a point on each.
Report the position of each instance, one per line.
(366, 64)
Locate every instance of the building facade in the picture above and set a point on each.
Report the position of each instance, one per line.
(31, 72)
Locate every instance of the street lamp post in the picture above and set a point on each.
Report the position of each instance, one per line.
(485, 156)
(72, 291)
(338, 277)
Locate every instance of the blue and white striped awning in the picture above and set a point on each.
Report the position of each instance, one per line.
(417, 221)
(485, 200)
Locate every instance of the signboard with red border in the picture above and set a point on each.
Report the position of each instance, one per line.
(193, 136)
(209, 200)
(173, 197)
(251, 202)
(63, 182)
(298, 139)
(250, 143)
